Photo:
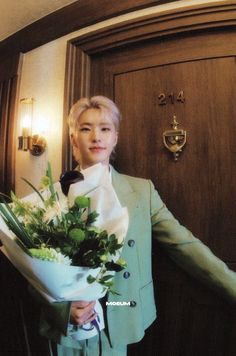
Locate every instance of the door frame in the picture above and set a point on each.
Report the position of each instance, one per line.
(10, 71)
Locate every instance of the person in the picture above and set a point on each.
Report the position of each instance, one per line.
(94, 128)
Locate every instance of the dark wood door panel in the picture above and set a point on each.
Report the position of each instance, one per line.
(199, 187)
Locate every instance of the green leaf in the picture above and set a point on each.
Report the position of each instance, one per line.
(35, 189)
(90, 255)
(112, 266)
(106, 278)
(4, 198)
(70, 217)
(112, 291)
(92, 217)
(67, 250)
(113, 238)
(107, 284)
(14, 225)
(91, 279)
(54, 195)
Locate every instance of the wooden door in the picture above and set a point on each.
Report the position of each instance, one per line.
(199, 188)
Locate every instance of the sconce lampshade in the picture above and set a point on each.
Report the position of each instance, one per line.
(36, 144)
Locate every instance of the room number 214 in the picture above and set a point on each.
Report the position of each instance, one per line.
(171, 98)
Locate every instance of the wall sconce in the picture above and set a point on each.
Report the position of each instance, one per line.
(36, 144)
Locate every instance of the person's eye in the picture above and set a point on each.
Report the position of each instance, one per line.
(106, 128)
(84, 129)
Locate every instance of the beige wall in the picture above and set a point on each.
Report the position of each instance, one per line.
(43, 79)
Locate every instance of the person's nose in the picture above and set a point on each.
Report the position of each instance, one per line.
(96, 135)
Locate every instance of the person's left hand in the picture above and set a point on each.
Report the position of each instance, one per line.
(82, 312)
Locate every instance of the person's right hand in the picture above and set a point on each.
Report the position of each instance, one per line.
(82, 312)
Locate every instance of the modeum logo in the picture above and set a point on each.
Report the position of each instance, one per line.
(120, 304)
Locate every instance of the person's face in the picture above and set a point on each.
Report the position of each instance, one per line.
(95, 138)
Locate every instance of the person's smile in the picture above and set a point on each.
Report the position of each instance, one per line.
(97, 149)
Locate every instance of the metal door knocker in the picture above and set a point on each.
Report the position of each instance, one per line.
(174, 140)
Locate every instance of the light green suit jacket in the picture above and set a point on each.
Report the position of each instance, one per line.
(148, 216)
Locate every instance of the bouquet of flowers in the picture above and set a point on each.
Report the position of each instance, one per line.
(68, 247)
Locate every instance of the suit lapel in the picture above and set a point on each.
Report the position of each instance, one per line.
(125, 192)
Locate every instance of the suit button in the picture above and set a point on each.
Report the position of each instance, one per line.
(133, 303)
(131, 243)
(126, 274)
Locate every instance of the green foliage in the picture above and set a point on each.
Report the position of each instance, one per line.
(52, 230)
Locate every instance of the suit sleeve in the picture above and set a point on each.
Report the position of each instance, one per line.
(189, 252)
(54, 315)
(57, 315)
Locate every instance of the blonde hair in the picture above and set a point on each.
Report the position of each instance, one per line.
(102, 103)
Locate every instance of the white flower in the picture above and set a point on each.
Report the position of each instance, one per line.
(50, 254)
(56, 211)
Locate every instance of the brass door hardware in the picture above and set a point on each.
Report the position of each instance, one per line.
(174, 140)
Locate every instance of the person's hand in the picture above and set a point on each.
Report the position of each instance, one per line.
(82, 312)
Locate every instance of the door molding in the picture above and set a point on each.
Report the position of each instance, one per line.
(216, 17)
(10, 71)
(78, 14)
